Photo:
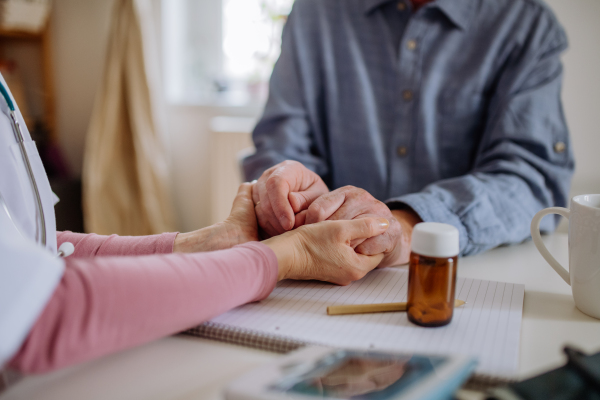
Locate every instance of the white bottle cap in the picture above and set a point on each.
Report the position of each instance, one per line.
(433, 239)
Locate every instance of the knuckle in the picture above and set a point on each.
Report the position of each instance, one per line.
(289, 163)
(243, 198)
(267, 173)
(365, 195)
(274, 180)
(395, 229)
(355, 274)
(302, 197)
(367, 225)
(316, 210)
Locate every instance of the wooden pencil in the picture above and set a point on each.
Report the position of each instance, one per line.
(373, 308)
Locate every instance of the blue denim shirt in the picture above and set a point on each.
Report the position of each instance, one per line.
(453, 110)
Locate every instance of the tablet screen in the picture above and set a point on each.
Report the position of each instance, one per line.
(360, 375)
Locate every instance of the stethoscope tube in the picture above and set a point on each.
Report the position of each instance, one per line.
(38, 198)
(21, 142)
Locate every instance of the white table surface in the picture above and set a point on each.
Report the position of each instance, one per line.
(184, 367)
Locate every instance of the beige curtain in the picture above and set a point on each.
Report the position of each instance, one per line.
(125, 172)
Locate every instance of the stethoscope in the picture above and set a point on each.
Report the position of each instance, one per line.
(65, 249)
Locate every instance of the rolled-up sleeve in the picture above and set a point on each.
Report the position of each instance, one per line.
(524, 161)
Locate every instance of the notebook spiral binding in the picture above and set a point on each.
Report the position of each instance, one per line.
(246, 337)
(282, 344)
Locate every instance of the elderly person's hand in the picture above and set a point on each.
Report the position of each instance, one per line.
(324, 251)
(282, 192)
(349, 203)
(240, 227)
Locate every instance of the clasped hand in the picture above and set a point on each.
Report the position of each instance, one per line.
(320, 251)
(335, 236)
(289, 195)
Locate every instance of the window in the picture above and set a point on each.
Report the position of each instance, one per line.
(221, 51)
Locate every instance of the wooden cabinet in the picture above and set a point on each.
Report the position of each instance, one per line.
(32, 55)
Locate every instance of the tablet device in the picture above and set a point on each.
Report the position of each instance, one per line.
(327, 373)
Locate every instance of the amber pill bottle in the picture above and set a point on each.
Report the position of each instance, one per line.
(432, 274)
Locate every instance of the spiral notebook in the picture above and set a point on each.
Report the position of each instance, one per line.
(487, 327)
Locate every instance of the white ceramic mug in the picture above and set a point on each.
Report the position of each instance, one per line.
(584, 250)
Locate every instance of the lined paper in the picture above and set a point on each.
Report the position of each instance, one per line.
(487, 327)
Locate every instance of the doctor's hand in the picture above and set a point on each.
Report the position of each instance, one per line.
(240, 227)
(282, 192)
(324, 251)
(351, 203)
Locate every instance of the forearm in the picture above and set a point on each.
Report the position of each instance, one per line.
(211, 238)
(89, 245)
(107, 304)
(220, 236)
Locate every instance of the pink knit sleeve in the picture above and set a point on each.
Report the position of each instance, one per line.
(106, 304)
(89, 245)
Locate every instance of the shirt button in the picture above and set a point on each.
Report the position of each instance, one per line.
(559, 147)
(411, 44)
(401, 6)
(401, 151)
(407, 95)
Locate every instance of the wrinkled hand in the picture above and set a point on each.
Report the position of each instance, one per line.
(324, 252)
(240, 227)
(282, 192)
(348, 203)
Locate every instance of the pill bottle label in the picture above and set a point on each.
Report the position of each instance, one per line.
(431, 286)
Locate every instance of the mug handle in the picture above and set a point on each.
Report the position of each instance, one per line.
(537, 239)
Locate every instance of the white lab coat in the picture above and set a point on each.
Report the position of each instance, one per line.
(28, 272)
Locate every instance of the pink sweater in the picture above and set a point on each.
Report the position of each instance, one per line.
(118, 292)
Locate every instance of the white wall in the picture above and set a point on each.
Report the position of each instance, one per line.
(581, 91)
(190, 149)
(80, 32)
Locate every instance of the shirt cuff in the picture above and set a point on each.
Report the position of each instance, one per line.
(166, 243)
(431, 209)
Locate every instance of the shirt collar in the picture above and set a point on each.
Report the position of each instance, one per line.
(459, 12)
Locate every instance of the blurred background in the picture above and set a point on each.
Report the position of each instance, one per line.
(213, 60)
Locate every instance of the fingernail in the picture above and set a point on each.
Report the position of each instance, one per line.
(285, 223)
(383, 223)
(253, 182)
